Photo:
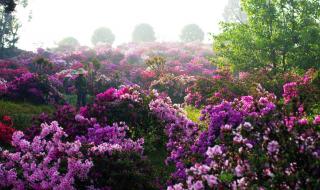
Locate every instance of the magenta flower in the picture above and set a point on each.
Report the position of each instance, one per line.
(316, 120)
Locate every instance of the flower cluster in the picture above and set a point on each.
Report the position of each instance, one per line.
(290, 91)
(6, 130)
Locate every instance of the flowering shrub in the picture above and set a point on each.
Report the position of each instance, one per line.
(9, 70)
(247, 145)
(181, 133)
(222, 86)
(130, 105)
(48, 161)
(303, 92)
(225, 86)
(44, 163)
(27, 87)
(173, 86)
(6, 130)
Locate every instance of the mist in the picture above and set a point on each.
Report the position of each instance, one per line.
(53, 20)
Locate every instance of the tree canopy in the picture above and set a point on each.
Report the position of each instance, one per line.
(102, 35)
(9, 5)
(143, 33)
(280, 35)
(191, 33)
(68, 43)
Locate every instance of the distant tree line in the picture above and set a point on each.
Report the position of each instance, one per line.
(141, 33)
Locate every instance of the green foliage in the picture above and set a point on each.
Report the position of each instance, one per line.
(122, 171)
(103, 35)
(9, 5)
(193, 113)
(156, 63)
(143, 33)
(191, 33)
(22, 113)
(226, 177)
(41, 65)
(280, 35)
(173, 86)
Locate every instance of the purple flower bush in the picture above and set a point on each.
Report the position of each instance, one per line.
(248, 144)
(46, 162)
(49, 161)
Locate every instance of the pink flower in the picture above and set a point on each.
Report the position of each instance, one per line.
(290, 91)
(214, 151)
(303, 121)
(316, 120)
(211, 180)
(239, 170)
(197, 186)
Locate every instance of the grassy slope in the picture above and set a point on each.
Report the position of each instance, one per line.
(22, 113)
(193, 113)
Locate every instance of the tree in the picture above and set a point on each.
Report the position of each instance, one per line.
(102, 35)
(68, 43)
(9, 5)
(191, 33)
(280, 35)
(234, 13)
(143, 33)
(9, 25)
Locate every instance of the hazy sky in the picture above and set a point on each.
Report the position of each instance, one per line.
(55, 19)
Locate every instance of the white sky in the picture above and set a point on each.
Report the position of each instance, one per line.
(53, 20)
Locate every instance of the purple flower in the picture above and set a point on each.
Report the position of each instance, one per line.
(273, 147)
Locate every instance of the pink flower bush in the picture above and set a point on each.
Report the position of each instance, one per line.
(290, 91)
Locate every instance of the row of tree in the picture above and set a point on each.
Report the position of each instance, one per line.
(142, 33)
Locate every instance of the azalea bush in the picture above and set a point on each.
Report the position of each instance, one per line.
(222, 86)
(249, 143)
(49, 161)
(129, 104)
(173, 86)
(6, 130)
(27, 87)
(9, 70)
